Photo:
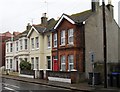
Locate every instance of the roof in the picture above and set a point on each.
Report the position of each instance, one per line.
(40, 28)
(75, 18)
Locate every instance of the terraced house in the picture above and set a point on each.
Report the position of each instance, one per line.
(17, 49)
(40, 42)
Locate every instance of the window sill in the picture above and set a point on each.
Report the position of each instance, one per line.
(49, 47)
(62, 45)
(70, 44)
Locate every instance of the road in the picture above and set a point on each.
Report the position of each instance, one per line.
(19, 86)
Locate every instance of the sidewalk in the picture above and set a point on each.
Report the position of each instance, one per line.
(76, 87)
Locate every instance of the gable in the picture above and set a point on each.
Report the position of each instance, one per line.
(31, 31)
(61, 19)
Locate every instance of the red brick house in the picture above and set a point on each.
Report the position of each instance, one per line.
(3, 37)
(68, 43)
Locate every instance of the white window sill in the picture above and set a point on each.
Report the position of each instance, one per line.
(70, 44)
(49, 47)
(62, 45)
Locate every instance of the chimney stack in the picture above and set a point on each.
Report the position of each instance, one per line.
(28, 26)
(44, 19)
(95, 5)
(110, 8)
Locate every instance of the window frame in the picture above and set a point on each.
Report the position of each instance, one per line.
(49, 60)
(62, 37)
(11, 47)
(11, 60)
(32, 63)
(70, 63)
(21, 44)
(37, 42)
(70, 36)
(55, 40)
(63, 63)
(26, 44)
(48, 41)
(32, 43)
(16, 45)
(37, 62)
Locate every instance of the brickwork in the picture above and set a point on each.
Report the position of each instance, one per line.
(75, 49)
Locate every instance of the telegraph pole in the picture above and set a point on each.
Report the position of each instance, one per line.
(104, 44)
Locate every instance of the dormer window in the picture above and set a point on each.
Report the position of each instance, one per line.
(63, 37)
(70, 36)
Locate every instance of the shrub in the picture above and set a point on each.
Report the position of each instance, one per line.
(24, 65)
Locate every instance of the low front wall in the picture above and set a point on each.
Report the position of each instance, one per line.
(27, 72)
(63, 76)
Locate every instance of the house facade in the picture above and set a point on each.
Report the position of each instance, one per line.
(40, 42)
(3, 37)
(17, 49)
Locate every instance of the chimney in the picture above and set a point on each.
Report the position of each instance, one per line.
(95, 5)
(44, 19)
(28, 26)
(110, 8)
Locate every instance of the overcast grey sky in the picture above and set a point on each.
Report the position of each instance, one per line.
(15, 14)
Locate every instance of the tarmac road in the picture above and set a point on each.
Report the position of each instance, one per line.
(19, 86)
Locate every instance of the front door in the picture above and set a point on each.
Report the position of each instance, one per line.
(55, 65)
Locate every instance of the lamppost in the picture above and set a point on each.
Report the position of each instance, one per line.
(104, 44)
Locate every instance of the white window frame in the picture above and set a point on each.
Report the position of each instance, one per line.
(32, 43)
(7, 63)
(16, 45)
(7, 46)
(21, 44)
(62, 42)
(37, 42)
(11, 47)
(55, 40)
(63, 63)
(11, 60)
(26, 44)
(32, 63)
(70, 35)
(37, 63)
(70, 57)
(48, 41)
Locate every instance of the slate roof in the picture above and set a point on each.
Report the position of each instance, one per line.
(82, 16)
(43, 29)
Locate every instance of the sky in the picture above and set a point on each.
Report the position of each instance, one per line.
(16, 14)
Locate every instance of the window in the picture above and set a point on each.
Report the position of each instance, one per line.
(10, 63)
(37, 42)
(63, 64)
(70, 62)
(70, 36)
(48, 62)
(37, 63)
(32, 43)
(63, 37)
(11, 47)
(55, 40)
(7, 63)
(16, 46)
(48, 41)
(25, 44)
(21, 45)
(32, 63)
(7, 47)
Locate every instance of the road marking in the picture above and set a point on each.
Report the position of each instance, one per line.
(8, 88)
(10, 85)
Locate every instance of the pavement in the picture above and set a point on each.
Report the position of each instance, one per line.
(84, 86)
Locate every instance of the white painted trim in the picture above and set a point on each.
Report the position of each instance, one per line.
(31, 31)
(67, 18)
(59, 79)
(28, 76)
